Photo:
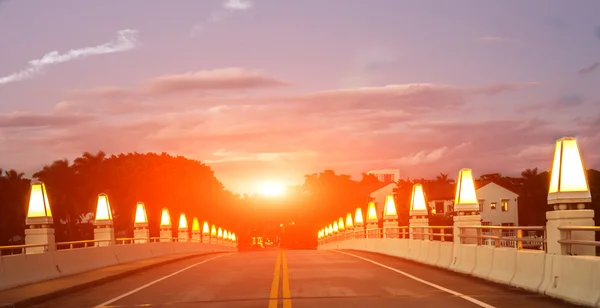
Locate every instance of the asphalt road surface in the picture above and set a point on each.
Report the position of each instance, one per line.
(300, 279)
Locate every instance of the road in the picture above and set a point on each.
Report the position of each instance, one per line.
(302, 279)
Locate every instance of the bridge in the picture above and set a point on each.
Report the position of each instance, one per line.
(360, 261)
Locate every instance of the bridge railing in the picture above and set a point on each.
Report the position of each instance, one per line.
(567, 242)
(505, 236)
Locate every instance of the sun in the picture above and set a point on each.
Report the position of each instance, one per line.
(271, 189)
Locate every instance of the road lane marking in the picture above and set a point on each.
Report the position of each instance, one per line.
(274, 296)
(431, 284)
(110, 301)
(285, 284)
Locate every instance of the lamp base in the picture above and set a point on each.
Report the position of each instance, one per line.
(40, 236)
(104, 236)
(560, 218)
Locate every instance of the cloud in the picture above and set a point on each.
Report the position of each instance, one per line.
(126, 40)
(28, 120)
(218, 79)
(228, 7)
(567, 101)
(589, 69)
(420, 128)
(493, 39)
(160, 94)
(369, 65)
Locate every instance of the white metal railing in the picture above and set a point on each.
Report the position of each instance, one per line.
(567, 241)
(504, 236)
(526, 237)
(444, 233)
(82, 244)
(20, 249)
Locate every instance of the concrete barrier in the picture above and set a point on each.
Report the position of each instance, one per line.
(465, 259)
(504, 265)
(575, 279)
(530, 269)
(484, 261)
(414, 249)
(19, 270)
(446, 257)
(433, 255)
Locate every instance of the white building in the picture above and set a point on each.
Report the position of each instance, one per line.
(386, 175)
(498, 205)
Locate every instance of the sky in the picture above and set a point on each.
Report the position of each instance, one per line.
(268, 91)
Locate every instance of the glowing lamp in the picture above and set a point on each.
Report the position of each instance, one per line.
(219, 233)
(335, 227)
(341, 224)
(326, 231)
(372, 212)
(330, 229)
(213, 231)
(418, 206)
(358, 217)
(568, 181)
(195, 225)
(225, 234)
(39, 212)
(103, 211)
(141, 219)
(205, 228)
(349, 223)
(389, 210)
(233, 237)
(165, 219)
(319, 234)
(466, 198)
(183, 224)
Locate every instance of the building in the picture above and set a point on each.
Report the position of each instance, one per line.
(498, 203)
(386, 175)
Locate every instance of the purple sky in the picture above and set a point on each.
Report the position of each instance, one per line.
(284, 88)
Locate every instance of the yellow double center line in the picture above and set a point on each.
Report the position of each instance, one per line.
(281, 271)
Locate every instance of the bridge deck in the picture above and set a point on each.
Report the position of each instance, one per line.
(312, 278)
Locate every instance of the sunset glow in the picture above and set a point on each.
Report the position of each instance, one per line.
(271, 189)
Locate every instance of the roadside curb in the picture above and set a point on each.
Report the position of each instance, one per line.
(28, 302)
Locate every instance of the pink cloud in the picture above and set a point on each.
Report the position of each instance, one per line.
(218, 79)
(420, 128)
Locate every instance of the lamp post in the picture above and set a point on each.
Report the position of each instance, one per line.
(104, 232)
(220, 236)
(166, 231)
(466, 207)
(213, 234)
(39, 220)
(184, 234)
(225, 237)
(372, 220)
(341, 229)
(359, 224)
(568, 194)
(418, 212)
(196, 233)
(349, 227)
(141, 233)
(390, 218)
(205, 233)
